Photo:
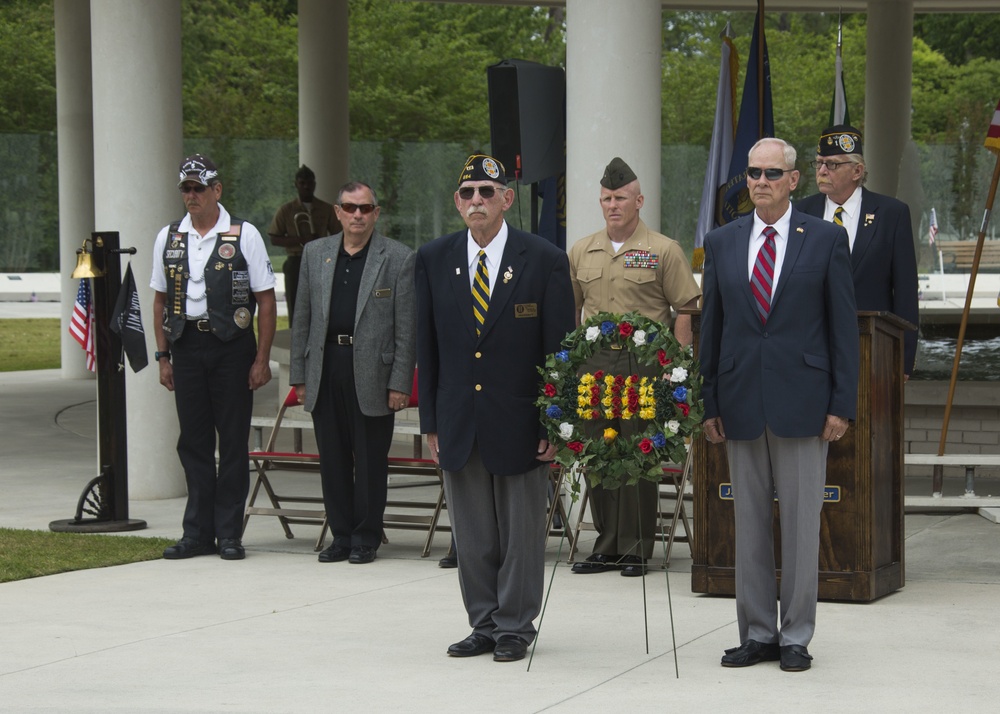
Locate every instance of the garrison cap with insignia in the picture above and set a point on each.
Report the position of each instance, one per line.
(480, 167)
(617, 174)
(199, 168)
(839, 140)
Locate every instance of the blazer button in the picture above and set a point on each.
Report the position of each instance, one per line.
(479, 387)
(478, 355)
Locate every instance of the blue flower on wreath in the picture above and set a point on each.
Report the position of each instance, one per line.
(680, 394)
(563, 356)
(659, 440)
(553, 412)
(607, 328)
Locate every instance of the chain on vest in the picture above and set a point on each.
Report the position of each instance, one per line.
(231, 302)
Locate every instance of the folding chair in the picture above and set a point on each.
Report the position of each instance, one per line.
(268, 460)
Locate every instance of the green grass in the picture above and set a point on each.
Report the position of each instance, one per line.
(31, 554)
(34, 344)
(29, 344)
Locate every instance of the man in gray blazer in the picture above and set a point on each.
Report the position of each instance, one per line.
(779, 357)
(353, 355)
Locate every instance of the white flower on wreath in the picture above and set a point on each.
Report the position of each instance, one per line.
(679, 374)
(565, 430)
(593, 333)
(639, 337)
(673, 426)
(554, 376)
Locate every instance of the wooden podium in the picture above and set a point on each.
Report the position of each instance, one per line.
(861, 536)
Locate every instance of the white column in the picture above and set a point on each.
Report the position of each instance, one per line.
(613, 87)
(323, 105)
(888, 80)
(137, 150)
(74, 127)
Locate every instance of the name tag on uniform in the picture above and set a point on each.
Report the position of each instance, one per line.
(527, 309)
(383, 292)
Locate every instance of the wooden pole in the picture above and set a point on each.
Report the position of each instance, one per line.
(760, 69)
(968, 306)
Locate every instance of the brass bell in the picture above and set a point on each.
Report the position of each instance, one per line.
(85, 264)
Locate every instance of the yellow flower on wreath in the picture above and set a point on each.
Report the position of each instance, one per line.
(610, 435)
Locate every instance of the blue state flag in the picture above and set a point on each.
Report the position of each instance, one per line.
(756, 122)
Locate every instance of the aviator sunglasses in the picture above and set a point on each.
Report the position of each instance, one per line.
(188, 188)
(467, 192)
(365, 208)
(754, 172)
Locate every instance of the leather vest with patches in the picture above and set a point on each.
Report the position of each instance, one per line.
(231, 302)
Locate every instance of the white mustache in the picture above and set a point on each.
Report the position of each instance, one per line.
(475, 209)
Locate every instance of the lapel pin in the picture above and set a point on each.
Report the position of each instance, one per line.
(869, 218)
(458, 271)
(329, 260)
(508, 275)
(799, 230)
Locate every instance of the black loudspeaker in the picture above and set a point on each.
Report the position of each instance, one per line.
(528, 119)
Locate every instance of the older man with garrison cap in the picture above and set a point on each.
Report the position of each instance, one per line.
(627, 267)
(883, 260)
(492, 302)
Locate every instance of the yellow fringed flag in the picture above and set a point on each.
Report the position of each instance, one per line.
(993, 135)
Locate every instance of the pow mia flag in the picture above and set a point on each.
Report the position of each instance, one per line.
(126, 322)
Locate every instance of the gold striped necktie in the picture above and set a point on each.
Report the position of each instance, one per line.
(481, 292)
(838, 216)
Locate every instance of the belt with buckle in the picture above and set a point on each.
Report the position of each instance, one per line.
(201, 325)
(345, 340)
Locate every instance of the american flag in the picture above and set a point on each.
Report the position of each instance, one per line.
(932, 234)
(993, 133)
(81, 323)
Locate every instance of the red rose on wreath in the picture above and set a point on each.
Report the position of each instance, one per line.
(594, 401)
(599, 375)
(550, 390)
(619, 380)
(645, 446)
(684, 408)
(625, 329)
(595, 414)
(662, 356)
(575, 446)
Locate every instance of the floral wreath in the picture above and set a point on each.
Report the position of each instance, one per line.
(668, 403)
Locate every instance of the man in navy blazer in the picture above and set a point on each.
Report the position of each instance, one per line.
(883, 259)
(779, 357)
(492, 302)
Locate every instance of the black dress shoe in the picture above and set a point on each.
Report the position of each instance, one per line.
(632, 566)
(510, 648)
(750, 653)
(596, 563)
(361, 554)
(472, 646)
(188, 548)
(449, 561)
(795, 658)
(231, 549)
(335, 554)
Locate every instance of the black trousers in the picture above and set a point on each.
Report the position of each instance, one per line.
(213, 397)
(353, 454)
(291, 272)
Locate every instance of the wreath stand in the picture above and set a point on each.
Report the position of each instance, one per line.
(667, 541)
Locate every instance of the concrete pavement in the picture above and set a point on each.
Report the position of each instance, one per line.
(280, 632)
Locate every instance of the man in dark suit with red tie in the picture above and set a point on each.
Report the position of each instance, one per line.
(779, 357)
(883, 259)
(492, 302)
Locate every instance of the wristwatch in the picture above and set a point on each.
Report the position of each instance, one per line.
(160, 355)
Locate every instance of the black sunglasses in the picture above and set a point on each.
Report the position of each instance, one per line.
(188, 188)
(365, 208)
(467, 192)
(754, 172)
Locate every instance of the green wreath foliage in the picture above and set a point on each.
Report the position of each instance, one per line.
(667, 407)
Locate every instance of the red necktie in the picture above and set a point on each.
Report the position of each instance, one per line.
(763, 274)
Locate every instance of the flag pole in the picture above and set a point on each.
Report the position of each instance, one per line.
(968, 305)
(760, 69)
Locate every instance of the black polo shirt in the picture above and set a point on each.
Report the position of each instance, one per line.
(344, 296)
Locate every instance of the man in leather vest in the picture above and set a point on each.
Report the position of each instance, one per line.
(210, 273)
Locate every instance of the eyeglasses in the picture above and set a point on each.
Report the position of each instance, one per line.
(830, 165)
(467, 192)
(195, 187)
(365, 208)
(754, 172)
